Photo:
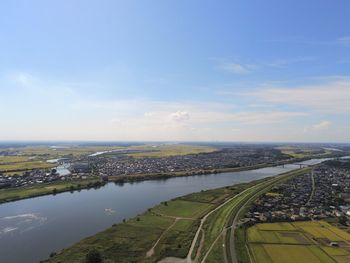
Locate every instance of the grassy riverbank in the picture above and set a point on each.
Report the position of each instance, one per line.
(169, 229)
(13, 194)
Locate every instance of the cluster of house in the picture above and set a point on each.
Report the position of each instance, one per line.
(322, 193)
(226, 158)
(37, 176)
(77, 170)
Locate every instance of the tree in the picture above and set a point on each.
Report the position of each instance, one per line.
(93, 256)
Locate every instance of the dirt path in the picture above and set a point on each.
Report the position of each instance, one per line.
(177, 218)
(225, 228)
(151, 251)
(188, 259)
(213, 244)
(201, 244)
(194, 241)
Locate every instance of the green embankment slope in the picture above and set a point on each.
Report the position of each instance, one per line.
(168, 230)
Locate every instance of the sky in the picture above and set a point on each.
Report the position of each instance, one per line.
(175, 70)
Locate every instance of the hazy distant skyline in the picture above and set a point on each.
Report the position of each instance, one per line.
(184, 70)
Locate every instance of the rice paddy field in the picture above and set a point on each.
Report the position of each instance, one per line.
(302, 242)
(298, 152)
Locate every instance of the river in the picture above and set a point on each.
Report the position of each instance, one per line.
(33, 228)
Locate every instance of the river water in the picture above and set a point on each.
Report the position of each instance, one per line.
(33, 228)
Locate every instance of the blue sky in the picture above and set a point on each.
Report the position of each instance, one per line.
(175, 70)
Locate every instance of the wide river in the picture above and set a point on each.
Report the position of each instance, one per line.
(33, 228)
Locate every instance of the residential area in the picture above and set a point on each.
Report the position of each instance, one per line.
(191, 164)
(321, 193)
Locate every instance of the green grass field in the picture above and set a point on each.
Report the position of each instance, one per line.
(157, 151)
(13, 194)
(297, 152)
(182, 208)
(24, 166)
(301, 242)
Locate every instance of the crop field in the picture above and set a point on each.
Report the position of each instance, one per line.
(276, 226)
(283, 237)
(24, 166)
(297, 152)
(156, 151)
(72, 150)
(323, 230)
(4, 160)
(300, 242)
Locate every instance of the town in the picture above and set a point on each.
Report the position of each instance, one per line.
(191, 164)
(323, 192)
(120, 163)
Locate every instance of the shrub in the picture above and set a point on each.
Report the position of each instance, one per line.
(93, 256)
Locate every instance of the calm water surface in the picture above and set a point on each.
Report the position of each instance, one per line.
(31, 229)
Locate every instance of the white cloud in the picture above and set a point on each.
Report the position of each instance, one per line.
(322, 125)
(280, 63)
(344, 41)
(332, 97)
(180, 116)
(318, 127)
(24, 79)
(237, 68)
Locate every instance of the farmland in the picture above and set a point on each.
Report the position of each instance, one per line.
(298, 242)
(303, 152)
(158, 151)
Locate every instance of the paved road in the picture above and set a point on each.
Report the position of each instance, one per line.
(313, 187)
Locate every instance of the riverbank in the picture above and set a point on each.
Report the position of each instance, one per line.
(15, 194)
(170, 228)
(142, 177)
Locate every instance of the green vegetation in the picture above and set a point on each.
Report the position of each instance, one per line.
(168, 229)
(182, 208)
(298, 242)
(173, 224)
(298, 152)
(25, 166)
(241, 241)
(12, 194)
(156, 151)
